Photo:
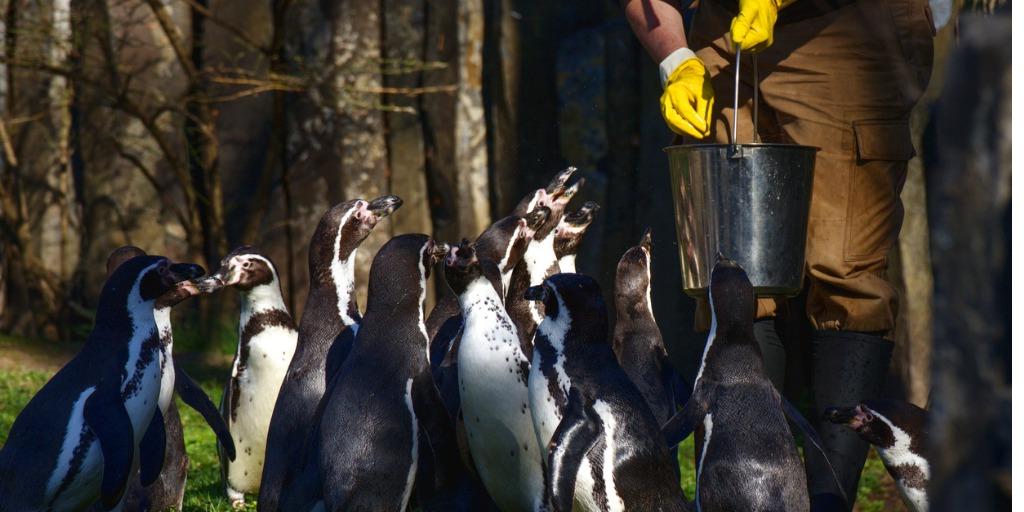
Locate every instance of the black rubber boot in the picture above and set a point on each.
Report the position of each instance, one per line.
(773, 352)
(848, 368)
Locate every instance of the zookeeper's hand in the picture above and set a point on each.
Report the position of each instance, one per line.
(752, 28)
(688, 97)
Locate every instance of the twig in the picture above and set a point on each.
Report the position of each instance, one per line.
(8, 147)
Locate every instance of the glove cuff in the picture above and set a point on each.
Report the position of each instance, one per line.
(672, 62)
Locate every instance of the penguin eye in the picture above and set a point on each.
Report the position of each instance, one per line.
(247, 264)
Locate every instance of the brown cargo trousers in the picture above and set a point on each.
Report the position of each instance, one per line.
(845, 82)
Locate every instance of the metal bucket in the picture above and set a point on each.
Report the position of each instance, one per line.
(748, 202)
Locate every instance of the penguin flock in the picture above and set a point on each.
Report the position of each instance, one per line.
(513, 393)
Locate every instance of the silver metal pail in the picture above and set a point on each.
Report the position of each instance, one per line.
(748, 202)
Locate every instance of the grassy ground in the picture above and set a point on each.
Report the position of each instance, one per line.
(24, 368)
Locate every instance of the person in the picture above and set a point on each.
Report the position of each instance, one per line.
(843, 76)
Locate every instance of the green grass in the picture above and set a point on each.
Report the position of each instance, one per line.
(204, 491)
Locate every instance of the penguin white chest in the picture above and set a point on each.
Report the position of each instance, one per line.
(258, 384)
(493, 382)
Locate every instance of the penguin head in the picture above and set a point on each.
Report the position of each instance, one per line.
(462, 266)
(731, 294)
(569, 233)
(343, 228)
(121, 255)
(544, 196)
(400, 267)
(874, 420)
(572, 299)
(633, 279)
(505, 241)
(145, 279)
(244, 268)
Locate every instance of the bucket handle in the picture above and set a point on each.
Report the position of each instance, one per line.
(736, 97)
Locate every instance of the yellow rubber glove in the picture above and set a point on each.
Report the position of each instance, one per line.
(688, 98)
(752, 29)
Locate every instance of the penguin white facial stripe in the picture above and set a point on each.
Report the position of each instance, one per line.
(650, 304)
(72, 438)
(506, 275)
(709, 425)
(604, 411)
(423, 298)
(901, 454)
(556, 330)
(411, 478)
(343, 272)
(711, 339)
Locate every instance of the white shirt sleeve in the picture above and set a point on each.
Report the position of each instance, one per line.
(672, 62)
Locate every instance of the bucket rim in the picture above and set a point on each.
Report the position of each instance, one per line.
(680, 147)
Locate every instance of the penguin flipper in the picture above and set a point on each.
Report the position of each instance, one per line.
(811, 435)
(107, 418)
(196, 398)
(151, 450)
(569, 444)
(681, 425)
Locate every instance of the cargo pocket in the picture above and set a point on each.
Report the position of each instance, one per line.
(874, 211)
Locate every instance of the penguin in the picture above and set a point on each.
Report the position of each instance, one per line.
(326, 330)
(382, 413)
(266, 342)
(604, 447)
(493, 374)
(899, 432)
(637, 339)
(569, 235)
(539, 261)
(168, 492)
(738, 417)
(97, 421)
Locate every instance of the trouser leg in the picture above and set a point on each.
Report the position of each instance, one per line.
(848, 368)
(773, 352)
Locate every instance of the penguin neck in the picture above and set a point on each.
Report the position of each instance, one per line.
(265, 297)
(540, 257)
(479, 290)
(343, 280)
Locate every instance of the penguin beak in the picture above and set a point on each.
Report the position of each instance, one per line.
(841, 415)
(645, 240)
(384, 206)
(557, 185)
(570, 192)
(179, 272)
(537, 293)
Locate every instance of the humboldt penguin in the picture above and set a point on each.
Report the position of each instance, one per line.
(604, 446)
(539, 261)
(899, 432)
(739, 419)
(97, 421)
(382, 413)
(492, 374)
(637, 340)
(326, 330)
(266, 342)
